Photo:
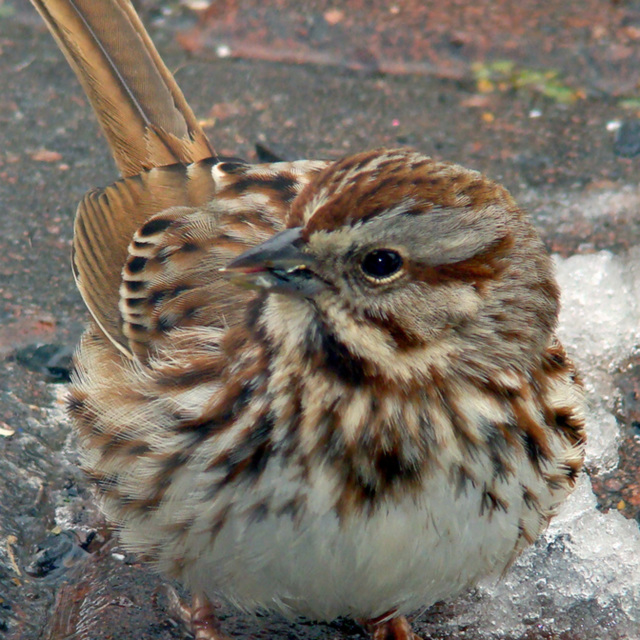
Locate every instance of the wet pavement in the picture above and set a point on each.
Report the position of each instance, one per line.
(546, 101)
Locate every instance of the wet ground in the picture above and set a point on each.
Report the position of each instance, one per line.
(544, 97)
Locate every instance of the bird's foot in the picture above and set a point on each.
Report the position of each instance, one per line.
(200, 618)
(391, 629)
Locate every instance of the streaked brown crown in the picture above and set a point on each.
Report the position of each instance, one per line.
(386, 179)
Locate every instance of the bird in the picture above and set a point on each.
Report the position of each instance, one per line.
(325, 388)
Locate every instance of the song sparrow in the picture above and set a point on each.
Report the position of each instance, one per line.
(375, 418)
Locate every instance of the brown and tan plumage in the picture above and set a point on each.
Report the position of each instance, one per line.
(325, 388)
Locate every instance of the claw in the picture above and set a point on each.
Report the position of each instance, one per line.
(204, 623)
(393, 629)
(200, 619)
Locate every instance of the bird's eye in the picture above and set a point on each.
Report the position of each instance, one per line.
(381, 264)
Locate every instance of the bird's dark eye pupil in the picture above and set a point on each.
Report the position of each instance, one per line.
(381, 263)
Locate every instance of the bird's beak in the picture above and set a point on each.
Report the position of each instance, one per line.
(280, 264)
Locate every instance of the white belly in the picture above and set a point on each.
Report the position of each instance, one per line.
(402, 556)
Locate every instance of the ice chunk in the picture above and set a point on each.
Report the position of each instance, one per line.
(582, 576)
(600, 316)
(600, 327)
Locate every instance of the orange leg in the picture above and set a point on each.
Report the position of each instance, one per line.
(393, 629)
(200, 618)
(204, 623)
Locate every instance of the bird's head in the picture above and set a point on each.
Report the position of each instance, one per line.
(404, 261)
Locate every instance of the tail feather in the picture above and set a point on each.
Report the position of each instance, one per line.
(141, 109)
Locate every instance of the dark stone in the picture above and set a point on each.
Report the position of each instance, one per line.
(627, 142)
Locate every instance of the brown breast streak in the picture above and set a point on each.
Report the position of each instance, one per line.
(383, 461)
